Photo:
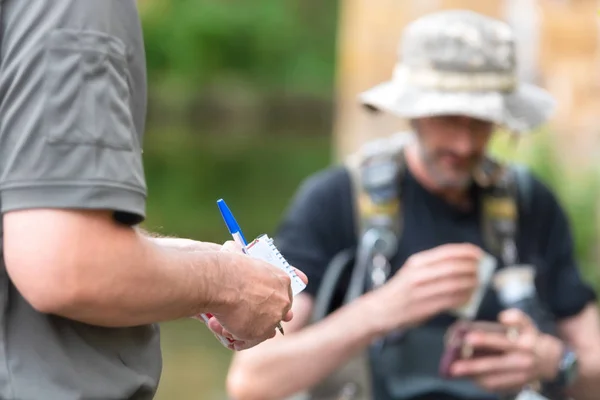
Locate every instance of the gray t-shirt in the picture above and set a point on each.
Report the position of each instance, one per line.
(72, 114)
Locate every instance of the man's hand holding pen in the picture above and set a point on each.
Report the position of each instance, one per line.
(255, 311)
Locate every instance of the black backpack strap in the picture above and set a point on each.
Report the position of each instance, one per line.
(507, 189)
(335, 269)
(376, 172)
(524, 181)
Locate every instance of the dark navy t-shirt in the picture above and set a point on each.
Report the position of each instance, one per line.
(319, 223)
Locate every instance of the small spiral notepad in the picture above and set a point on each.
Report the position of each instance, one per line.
(264, 249)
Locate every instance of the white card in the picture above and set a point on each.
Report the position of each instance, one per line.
(485, 272)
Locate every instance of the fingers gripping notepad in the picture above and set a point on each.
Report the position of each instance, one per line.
(264, 249)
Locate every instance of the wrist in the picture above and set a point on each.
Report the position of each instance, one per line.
(217, 290)
(366, 310)
(378, 323)
(550, 351)
(563, 374)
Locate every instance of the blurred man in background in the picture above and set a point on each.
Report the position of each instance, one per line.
(81, 286)
(456, 83)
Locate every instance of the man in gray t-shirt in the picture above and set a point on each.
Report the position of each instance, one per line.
(80, 286)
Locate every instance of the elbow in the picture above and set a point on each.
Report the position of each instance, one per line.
(48, 301)
(242, 385)
(54, 257)
(51, 285)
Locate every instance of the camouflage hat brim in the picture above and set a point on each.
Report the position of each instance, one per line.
(521, 110)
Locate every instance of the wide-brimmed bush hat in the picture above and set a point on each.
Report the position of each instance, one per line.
(459, 62)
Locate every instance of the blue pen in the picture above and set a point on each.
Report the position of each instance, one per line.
(232, 224)
(236, 232)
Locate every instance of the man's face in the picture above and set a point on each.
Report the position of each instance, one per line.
(451, 147)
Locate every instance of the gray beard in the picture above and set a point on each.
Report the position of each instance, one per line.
(439, 177)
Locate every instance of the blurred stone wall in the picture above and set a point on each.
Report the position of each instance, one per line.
(558, 48)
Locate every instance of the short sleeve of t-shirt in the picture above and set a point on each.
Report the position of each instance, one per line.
(72, 109)
(560, 283)
(317, 224)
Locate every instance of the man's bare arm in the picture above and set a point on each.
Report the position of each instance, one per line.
(84, 266)
(307, 353)
(582, 332)
(179, 243)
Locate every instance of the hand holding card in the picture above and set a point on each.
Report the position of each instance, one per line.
(430, 282)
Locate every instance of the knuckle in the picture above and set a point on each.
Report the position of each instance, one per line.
(529, 343)
(413, 259)
(285, 278)
(477, 251)
(229, 244)
(287, 305)
(413, 279)
(471, 250)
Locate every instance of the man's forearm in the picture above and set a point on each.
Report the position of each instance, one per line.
(588, 382)
(138, 281)
(587, 385)
(89, 269)
(582, 333)
(178, 243)
(308, 355)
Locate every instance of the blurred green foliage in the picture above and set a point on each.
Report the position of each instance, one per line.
(578, 191)
(188, 173)
(271, 45)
